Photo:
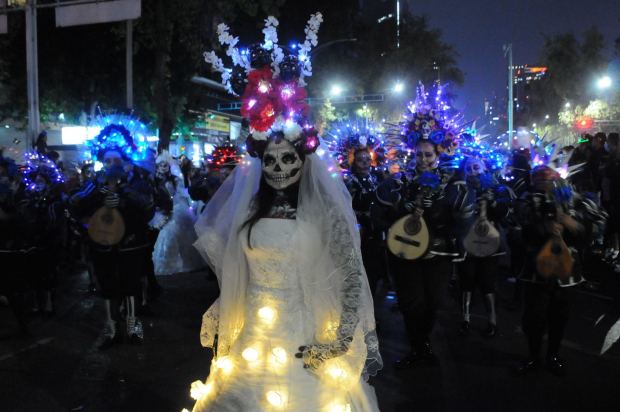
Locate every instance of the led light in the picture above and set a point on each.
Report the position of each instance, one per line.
(251, 103)
(200, 390)
(341, 408)
(225, 364)
(337, 373)
(264, 86)
(250, 354)
(274, 398)
(287, 92)
(279, 355)
(266, 314)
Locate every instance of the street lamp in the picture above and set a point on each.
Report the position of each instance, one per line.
(547, 116)
(398, 88)
(336, 90)
(567, 105)
(605, 82)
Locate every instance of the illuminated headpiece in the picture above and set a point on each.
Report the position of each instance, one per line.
(224, 156)
(271, 86)
(347, 142)
(37, 164)
(123, 134)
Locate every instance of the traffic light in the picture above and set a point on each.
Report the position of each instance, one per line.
(585, 123)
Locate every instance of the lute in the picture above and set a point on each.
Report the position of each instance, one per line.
(554, 259)
(409, 237)
(107, 226)
(483, 238)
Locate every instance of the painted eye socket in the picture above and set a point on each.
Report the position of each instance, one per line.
(269, 160)
(289, 158)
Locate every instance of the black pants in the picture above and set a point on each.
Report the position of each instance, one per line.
(420, 285)
(373, 256)
(119, 272)
(481, 272)
(546, 310)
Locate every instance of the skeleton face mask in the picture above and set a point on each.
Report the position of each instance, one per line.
(281, 164)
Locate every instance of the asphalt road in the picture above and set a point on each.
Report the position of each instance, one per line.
(58, 367)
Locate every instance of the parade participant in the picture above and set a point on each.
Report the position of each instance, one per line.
(14, 241)
(118, 210)
(422, 193)
(174, 251)
(483, 243)
(610, 197)
(358, 156)
(557, 225)
(221, 163)
(294, 319)
(45, 216)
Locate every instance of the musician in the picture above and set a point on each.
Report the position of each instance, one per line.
(419, 283)
(482, 271)
(119, 267)
(362, 184)
(551, 208)
(14, 241)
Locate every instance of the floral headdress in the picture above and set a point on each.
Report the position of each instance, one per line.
(271, 86)
(427, 120)
(344, 147)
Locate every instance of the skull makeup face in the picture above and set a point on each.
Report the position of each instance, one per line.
(281, 164)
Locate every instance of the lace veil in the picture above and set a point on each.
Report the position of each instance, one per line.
(338, 303)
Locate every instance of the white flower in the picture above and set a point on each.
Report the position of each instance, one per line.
(277, 54)
(305, 47)
(292, 131)
(260, 135)
(279, 124)
(221, 28)
(363, 140)
(272, 21)
(313, 38)
(271, 35)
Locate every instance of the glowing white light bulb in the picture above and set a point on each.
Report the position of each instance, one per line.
(274, 398)
(250, 354)
(199, 389)
(225, 364)
(337, 373)
(279, 356)
(266, 314)
(342, 408)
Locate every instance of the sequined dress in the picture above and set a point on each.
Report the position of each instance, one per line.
(263, 372)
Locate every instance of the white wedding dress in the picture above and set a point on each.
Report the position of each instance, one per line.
(174, 251)
(260, 371)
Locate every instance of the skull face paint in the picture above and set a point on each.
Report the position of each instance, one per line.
(281, 164)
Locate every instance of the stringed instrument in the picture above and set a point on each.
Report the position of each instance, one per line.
(483, 238)
(409, 237)
(107, 226)
(554, 259)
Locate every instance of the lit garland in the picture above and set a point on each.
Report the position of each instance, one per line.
(36, 164)
(120, 133)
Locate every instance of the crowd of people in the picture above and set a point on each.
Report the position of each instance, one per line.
(48, 210)
(300, 233)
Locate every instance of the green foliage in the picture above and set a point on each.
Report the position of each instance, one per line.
(326, 114)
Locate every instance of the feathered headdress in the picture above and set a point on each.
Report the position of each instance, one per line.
(271, 86)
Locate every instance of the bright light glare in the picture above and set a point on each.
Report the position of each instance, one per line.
(567, 104)
(274, 398)
(336, 90)
(398, 88)
(547, 116)
(605, 82)
(266, 314)
(279, 355)
(250, 354)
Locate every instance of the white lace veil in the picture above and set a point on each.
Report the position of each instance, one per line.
(336, 292)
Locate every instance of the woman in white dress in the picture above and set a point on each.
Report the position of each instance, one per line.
(293, 328)
(174, 252)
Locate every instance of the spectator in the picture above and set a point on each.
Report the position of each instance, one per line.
(41, 145)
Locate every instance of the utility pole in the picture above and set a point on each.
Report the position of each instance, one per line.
(32, 70)
(129, 60)
(508, 50)
(398, 24)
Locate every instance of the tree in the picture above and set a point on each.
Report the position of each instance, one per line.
(326, 114)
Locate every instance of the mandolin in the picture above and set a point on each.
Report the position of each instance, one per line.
(554, 259)
(483, 238)
(107, 226)
(409, 237)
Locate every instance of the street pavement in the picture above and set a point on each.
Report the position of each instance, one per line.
(58, 367)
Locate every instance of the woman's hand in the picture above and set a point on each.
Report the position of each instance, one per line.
(314, 355)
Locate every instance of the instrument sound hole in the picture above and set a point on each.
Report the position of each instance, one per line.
(107, 218)
(412, 227)
(481, 230)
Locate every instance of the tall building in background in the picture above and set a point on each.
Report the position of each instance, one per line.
(524, 78)
(496, 114)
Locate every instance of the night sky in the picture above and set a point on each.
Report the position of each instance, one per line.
(479, 28)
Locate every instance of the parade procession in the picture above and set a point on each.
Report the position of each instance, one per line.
(336, 207)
